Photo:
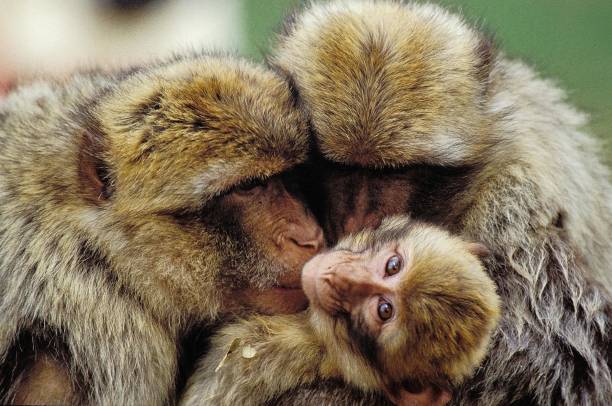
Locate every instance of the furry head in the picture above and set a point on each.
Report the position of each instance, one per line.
(388, 84)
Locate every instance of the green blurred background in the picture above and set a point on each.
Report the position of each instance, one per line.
(567, 40)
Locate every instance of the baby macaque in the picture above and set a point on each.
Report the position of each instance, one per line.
(405, 304)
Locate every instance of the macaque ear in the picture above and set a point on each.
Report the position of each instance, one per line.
(93, 172)
(478, 249)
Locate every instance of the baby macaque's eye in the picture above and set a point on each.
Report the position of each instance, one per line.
(385, 310)
(394, 264)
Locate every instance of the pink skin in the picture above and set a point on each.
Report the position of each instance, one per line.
(344, 281)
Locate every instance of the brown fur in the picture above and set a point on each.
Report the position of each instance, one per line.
(46, 383)
(449, 309)
(111, 246)
(414, 111)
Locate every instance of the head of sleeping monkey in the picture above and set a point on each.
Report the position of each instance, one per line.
(405, 304)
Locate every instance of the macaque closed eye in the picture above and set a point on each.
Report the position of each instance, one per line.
(393, 266)
(251, 186)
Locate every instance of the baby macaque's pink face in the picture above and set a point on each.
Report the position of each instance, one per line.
(365, 286)
(341, 281)
(387, 293)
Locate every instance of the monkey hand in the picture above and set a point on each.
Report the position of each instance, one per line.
(427, 397)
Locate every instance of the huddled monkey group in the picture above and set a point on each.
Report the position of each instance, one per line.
(403, 303)
(144, 207)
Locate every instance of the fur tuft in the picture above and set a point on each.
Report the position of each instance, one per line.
(380, 56)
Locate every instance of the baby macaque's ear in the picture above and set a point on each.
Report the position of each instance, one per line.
(93, 172)
(478, 249)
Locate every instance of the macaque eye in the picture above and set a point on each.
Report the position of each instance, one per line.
(251, 186)
(394, 264)
(385, 311)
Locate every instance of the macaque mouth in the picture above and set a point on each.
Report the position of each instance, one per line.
(293, 299)
(286, 289)
(289, 280)
(290, 286)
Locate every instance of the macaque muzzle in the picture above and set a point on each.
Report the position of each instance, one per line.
(338, 281)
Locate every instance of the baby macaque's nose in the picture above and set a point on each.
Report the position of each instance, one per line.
(354, 282)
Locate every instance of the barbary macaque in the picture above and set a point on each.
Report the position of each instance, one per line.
(406, 303)
(416, 112)
(133, 206)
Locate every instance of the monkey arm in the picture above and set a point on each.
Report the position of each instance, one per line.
(329, 392)
(277, 360)
(333, 392)
(254, 361)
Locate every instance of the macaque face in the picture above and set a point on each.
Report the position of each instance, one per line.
(357, 198)
(363, 285)
(286, 235)
(187, 177)
(244, 249)
(407, 300)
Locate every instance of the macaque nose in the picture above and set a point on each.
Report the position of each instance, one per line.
(355, 282)
(358, 221)
(306, 236)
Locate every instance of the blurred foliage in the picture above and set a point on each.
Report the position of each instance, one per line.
(569, 41)
(263, 20)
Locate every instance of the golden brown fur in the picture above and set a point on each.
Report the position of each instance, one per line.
(449, 309)
(415, 111)
(45, 383)
(110, 243)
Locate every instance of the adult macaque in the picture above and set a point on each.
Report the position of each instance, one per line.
(415, 112)
(405, 302)
(134, 205)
